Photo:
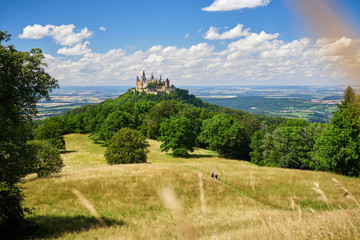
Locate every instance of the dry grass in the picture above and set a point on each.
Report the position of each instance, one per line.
(248, 202)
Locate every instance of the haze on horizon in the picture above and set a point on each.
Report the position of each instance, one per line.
(202, 43)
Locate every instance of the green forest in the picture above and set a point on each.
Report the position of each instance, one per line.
(181, 122)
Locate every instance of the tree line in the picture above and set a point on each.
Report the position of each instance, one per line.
(181, 122)
(333, 147)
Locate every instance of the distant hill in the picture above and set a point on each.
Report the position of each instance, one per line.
(289, 107)
(179, 95)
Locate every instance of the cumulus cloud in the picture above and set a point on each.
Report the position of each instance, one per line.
(236, 32)
(78, 49)
(36, 31)
(229, 5)
(64, 35)
(251, 44)
(258, 58)
(102, 28)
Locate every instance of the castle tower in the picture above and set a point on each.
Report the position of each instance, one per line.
(143, 78)
(138, 84)
(167, 83)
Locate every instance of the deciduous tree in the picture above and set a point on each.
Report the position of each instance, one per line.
(225, 136)
(52, 132)
(127, 146)
(23, 82)
(177, 135)
(47, 158)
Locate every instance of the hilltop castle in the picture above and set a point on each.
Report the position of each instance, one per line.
(152, 85)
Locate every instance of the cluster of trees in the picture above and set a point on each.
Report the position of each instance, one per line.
(333, 147)
(179, 120)
(23, 83)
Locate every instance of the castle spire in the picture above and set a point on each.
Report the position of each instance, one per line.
(143, 78)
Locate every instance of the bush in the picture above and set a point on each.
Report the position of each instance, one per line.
(51, 131)
(127, 146)
(47, 158)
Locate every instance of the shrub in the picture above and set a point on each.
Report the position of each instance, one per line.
(127, 146)
(51, 131)
(47, 158)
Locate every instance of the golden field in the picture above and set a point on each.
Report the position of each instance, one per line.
(174, 198)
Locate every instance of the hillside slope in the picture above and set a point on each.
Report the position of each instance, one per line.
(248, 202)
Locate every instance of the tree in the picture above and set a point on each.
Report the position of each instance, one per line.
(51, 131)
(337, 149)
(196, 116)
(23, 82)
(157, 114)
(225, 136)
(288, 145)
(127, 146)
(257, 153)
(48, 159)
(113, 123)
(177, 134)
(250, 125)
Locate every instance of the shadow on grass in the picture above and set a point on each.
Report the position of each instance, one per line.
(44, 177)
(50, 226)
(202, 156)
(67, 151)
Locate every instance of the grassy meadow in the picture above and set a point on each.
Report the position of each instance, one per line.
(174, 198)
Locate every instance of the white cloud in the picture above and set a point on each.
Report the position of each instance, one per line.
(36, 32)
(186, 36)
(102, 28)
(252, 44)
(236, 32)
(78, 49)
(64, 35)
(229, 5)
(257, 58)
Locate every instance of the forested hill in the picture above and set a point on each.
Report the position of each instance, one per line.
(147, 113)
(179, 95)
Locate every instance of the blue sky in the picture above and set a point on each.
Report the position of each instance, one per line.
(198, 42)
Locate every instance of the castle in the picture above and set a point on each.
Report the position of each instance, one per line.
(152, 85)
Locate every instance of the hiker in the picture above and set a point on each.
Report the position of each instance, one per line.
(212, 174)
(216, 175)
